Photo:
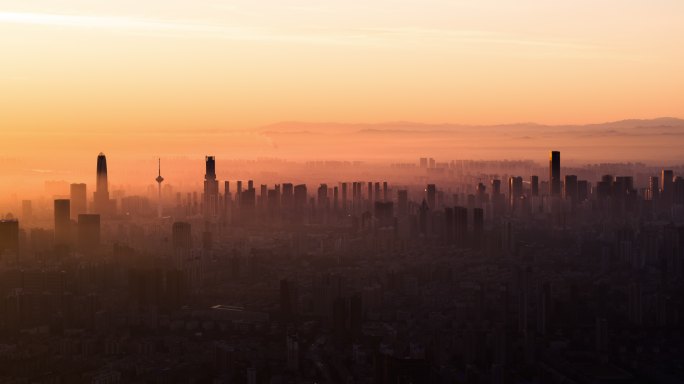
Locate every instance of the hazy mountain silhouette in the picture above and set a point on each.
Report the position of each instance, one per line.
(657, 139)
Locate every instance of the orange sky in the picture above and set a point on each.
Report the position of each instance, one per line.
(192, 77)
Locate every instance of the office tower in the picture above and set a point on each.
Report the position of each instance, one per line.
(377, 191)
(431, 193)
(355, 196)
(300, 196)
(666, 179)
(336, 202)
(9, 237)
(402, 199)
(384, 213)
(62, 222)
(423, 162)
(555, 174)
(323, 197)
(515, 191)
(570, 188)
(211, 189)
(79, 199)
(384, 191)
(582, 190)
(287, 197)
(101, 196)
(181, 235)
(273, 201)
(227, 197)
(461, 225)
(534, 185)
(423, 212)
(159, 181)
(678, 190)
(344, 197)
(370, 193)
(238, 191)
(88, 231)
(26, 210)
(431, 163)
(263, 195)
(653, 192)
(478, 227)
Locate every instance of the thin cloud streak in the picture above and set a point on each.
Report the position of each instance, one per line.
(317, 35)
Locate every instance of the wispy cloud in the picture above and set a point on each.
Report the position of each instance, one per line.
(302, 34)
(149, 26)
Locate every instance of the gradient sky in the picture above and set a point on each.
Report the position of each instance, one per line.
(126, 76)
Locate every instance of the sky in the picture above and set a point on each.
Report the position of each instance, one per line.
(177, 77)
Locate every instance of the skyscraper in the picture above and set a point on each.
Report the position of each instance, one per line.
(571, 188)
(554, 173)
(431, 196)
(101, 195)
(88, 231)
(211, 188)
(515, 191)
(534, 185)
(159, 181)
(62, 222)
(9, 236)
(79, 199)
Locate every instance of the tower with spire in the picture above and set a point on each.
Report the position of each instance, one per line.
(159, 181)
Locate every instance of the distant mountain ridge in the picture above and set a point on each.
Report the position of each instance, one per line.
(303, 127)
(650, 140)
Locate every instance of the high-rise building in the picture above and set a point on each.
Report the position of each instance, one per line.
(534, 185)
(653, 193)
(9, 237)
(88, 231)
(431, 192)
(159, 181)
(402, 199)
(344, 197)
(461, 225)
(300, 196)
(570, 188)
(478, 227)
(323, 197)
(79, 199)
(211, 188)
(515, 191)
(181, 236)
(101, 203)
(26, 210)
(555, 173)
(666, 181)
(62, 221)
(423, 162)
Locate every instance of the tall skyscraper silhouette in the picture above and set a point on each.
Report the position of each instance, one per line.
(62, 222)
(159, 181)
(101, 196)
(554, 173)
(211, 188)
(79, 199)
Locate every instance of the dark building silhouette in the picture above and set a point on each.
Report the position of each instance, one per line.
(571, 188)
(515, 191)
(461, 225)
(9, 237)
(62, 221)
(181, 235)
(402, 203)
(431, 192)
(534, 185)
(211, 188)
(555, 174)
(88, 231)
(101, 202)
(79, 199)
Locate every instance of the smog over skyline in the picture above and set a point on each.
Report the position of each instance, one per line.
(306, 191)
